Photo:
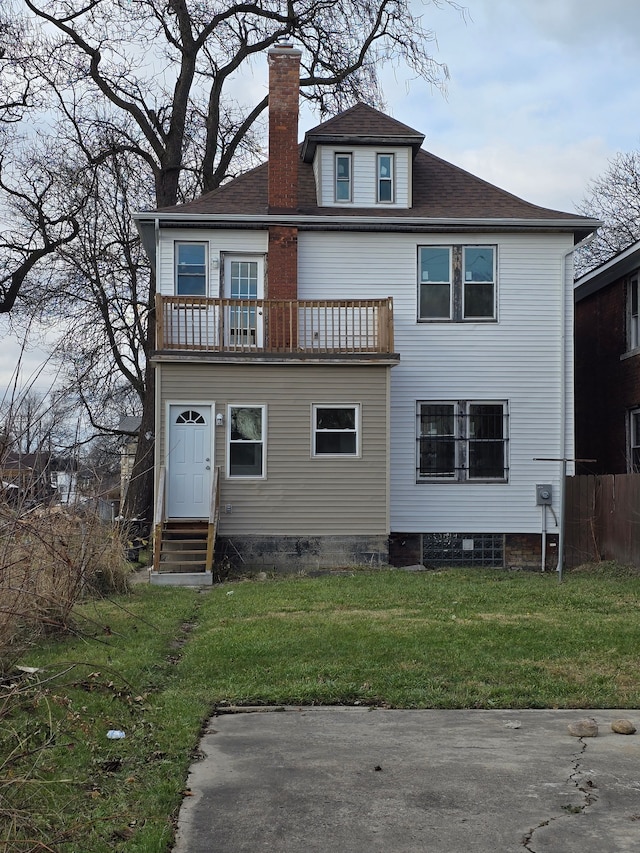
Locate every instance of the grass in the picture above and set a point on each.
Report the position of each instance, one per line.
(156, 663)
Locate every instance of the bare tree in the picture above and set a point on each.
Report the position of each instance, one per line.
(41, 210)
(146, 88)
(614, 197)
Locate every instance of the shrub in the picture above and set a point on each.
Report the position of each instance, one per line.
(50, 558)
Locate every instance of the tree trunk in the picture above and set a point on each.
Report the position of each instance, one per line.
(138, 503)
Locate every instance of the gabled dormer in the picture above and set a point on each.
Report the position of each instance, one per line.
(362, 159)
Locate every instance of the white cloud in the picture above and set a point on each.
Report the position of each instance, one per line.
(548, 175)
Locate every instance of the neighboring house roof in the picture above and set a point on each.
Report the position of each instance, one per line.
(619, 265)
(26, 461)
(442, 192)
(129, 423)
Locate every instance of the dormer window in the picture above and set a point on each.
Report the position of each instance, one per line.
(343, 177)
(385, 178)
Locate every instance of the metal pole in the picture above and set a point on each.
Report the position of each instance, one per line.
(563, 490)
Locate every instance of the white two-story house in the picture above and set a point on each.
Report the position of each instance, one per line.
(364, 354)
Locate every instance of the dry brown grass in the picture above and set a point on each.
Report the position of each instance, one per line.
(50, 559)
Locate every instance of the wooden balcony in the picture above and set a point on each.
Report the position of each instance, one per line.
(258, 327)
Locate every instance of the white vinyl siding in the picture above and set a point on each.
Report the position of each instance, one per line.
(364, 176)
(517, 359)
(217, 243)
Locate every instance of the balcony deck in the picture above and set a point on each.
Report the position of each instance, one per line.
(273, 327)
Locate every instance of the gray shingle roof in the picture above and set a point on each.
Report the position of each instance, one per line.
(440, 189)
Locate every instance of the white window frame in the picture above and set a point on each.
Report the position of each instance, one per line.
(390, 180)
(348, 182)
(633, 311)
(468, 282)
(262, 441)
(428, 282)
(633, 445)
(458, 282)
(176, 273)
(315, 407)
(462, 440)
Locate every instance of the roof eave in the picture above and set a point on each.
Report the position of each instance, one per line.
(621, 265)
(311, 142)
(580, 224)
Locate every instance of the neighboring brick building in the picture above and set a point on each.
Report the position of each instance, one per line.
(607, 369)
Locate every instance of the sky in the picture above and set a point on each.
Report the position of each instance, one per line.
(542, 94)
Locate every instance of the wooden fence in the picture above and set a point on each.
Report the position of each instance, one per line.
(602, 519)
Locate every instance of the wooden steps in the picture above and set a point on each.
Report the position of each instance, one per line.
(184, 553)
(183, 548)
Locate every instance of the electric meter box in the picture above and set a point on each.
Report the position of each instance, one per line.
(544, 494)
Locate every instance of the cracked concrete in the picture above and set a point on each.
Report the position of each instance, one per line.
(359, 780)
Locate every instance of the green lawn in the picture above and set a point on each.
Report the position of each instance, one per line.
(156, 663)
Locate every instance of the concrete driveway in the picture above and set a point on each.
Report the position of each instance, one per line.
(358, 781)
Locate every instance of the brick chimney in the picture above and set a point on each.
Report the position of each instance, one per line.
(284, 96)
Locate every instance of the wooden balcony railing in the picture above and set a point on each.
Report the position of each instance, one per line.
(274, 325)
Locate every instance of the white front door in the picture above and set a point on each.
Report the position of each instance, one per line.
(189, 461)
(244, 280)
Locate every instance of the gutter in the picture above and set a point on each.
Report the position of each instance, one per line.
(359, 221)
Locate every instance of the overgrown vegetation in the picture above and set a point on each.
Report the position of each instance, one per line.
(50, 558)
(156, 662)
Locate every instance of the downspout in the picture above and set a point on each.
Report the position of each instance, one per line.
(563, 397)
(158, 383)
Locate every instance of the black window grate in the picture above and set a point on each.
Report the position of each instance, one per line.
(462, 549)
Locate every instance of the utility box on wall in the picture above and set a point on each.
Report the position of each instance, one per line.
(544, 494)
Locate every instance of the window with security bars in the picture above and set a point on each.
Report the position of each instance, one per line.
(462, 549)
(462, 441)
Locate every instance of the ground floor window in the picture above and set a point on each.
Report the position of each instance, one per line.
(336, 430)
(633, 457)
(462, 440)
(462, 549)
(246, 441)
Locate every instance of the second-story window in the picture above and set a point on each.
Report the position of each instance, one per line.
(385, 178)
(343, 177)
(633, 324)
(457, 283)
(191, 269)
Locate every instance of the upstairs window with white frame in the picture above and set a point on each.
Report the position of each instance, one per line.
(386, 171)
(246, 434)
(336, 430)
(633, 322)
(191, 269)
(462, 441)
(343, 182)
(457, 283)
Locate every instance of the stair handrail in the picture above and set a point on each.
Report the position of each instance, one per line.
(158, 519)
(214, 515)
(214, 502)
